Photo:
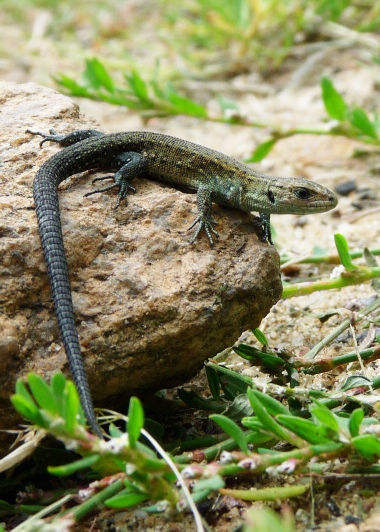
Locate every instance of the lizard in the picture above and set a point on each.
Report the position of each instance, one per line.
(215, 177)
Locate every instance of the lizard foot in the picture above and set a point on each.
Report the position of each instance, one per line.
(123, 186)
(53, 137)
(205, 223)
(105, 178)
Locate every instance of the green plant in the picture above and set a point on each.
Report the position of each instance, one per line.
(318, 426)
(147, 97)
(351, 122)
(347, 274)
(56, 409)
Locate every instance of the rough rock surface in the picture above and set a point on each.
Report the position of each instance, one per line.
(150, 307)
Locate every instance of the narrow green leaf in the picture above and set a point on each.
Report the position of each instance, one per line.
(273, 406)
(355, 381)
(277, 493)
(125, 501)
(213, 382)
(356, 418)
(71, 406)
(306, 429)
(135, 421)
(157, 89)
(96, 75)
(57, 384)
(266, 419)
(138, 85)
(28, 410)
(334, 103)
(74, 467)
(23, 392)
(359, 119)
(261, 151)
(321, 413)
(367, 446)
(42, 393)
(29, 509)
(75, 88)
(268, 360)
(232, 429)
(213, 483)
(233, 383)
(253, 423)
(260, 336)
(188, 107)
(344, 253)
(326, 448)
(239, 407)
(194, 400)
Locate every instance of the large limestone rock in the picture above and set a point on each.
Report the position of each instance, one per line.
(150, 307)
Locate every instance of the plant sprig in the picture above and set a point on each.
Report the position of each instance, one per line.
(348, 274)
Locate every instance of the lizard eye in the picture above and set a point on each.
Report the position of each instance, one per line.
(303, 193)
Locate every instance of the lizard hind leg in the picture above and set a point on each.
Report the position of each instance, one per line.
(131, 165)
(66, 139)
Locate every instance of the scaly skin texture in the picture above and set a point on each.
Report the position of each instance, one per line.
(216, 178)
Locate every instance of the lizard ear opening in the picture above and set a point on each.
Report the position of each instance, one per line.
(271, 196)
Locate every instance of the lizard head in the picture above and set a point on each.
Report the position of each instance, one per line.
(294, 196)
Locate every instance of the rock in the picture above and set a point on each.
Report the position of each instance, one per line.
(345, 188)
(150, 307)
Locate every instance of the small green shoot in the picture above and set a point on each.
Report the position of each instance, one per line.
(260, 336)
(148, 97)
(351, 275)
(343, 251)
(334, 103)
(233, 430)
(351, 122)
(135, 421)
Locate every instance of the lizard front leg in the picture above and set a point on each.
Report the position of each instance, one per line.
(265, 224)
(204, 218)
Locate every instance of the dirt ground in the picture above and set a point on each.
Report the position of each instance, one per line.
(291, 98)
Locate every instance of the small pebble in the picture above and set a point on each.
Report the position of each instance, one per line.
(366, 194)
(344, 189)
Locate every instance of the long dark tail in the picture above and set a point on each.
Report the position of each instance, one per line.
(49, 224)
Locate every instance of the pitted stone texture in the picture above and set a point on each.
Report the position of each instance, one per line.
(150, 307)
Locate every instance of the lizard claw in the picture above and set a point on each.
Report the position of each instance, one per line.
(206, 224)
(99, 190)
(123, 191)
(104, 178)
(53, 137)
(124, 187)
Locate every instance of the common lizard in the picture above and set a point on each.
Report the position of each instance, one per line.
(214, 176)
